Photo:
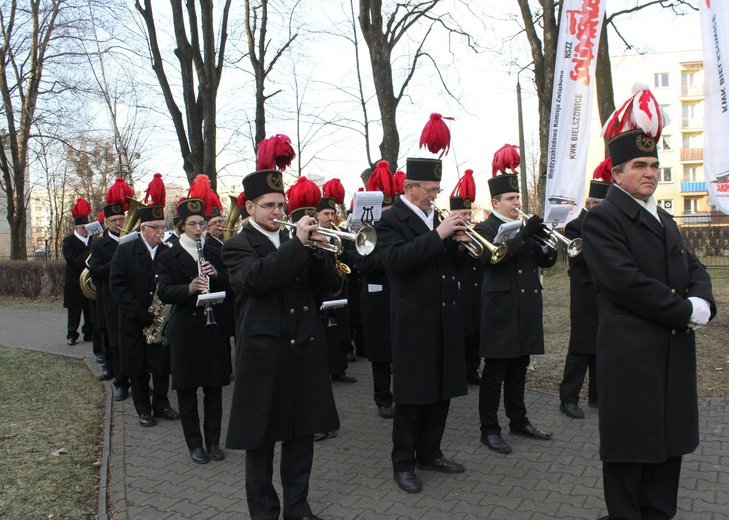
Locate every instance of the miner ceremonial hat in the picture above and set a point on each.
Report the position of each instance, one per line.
(327, 203)
(382, 180)
(80, 212)
(148, 213)
(261, 182)
(189, 207)
(506, 158)
(464, 193)
(304, 197)
(630, 145)
(602, 179)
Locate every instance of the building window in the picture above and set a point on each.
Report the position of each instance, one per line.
(690, 174)
(660, 79)
(690, 205)
(664, 143)
(666, 204)
(664, 175)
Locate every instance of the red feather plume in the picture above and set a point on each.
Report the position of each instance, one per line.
(382, 180)
(81, 209)
(275, 152)
(640, 111)
(303, 194)
(241, 200)
(603, 172)
(335, 190)
(466, 187)
(200, 189)
(214, 203)
(156, 195)
(118, 193)
(435, 135)
(400, 182)
(101, 217)
(506, 157)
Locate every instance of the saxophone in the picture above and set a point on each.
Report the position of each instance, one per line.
(154, 333)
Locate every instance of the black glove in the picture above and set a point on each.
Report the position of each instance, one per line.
(534, 225)
(146, 319)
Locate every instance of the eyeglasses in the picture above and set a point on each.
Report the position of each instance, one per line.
(431, 191)
(156, 228)
(270, 206)
(196, 224)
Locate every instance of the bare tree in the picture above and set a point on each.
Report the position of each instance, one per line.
(382, 33)
(200, 58)
(28, 35)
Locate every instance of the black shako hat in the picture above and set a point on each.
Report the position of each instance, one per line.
(506, 183)
(148, 213)
(459, 203)
(261, 182)
(327, 203)
(630, 145)
(307, 211)
(418, 169)
(189, 207)
(598, 189)
(113, 210)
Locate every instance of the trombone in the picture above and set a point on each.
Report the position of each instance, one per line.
(478, 244)
(574, 246)
(365, 239)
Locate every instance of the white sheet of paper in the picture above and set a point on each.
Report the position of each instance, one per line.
(507, 230)
(333, 304)
(212, 298)
(372, 287)
(367, 204)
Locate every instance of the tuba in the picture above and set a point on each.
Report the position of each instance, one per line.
(132, 217)
(233, 216)
(87, 284)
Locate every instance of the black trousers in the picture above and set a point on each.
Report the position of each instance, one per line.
(297, 456)
(120, 380)
(337, 349)
(638, 491)
(74, 320)
(417, 431)
(106, 352)
(512, 374)
(141, 393)
(473, 361)
(576, 366)
(190, 419)
(381, 380)
(358, 341)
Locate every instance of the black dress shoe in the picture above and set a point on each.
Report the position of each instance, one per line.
(496, 443)
(106, 375)
(326, 435)
(215, 452)
(387, 412)
(571, 410)
(344, 378)
(120, 394)
(71, 341)
(408, 481)
(99, 358)
(530, 431)
(199, 456)
(146, 420)
(167, 413)
(442, 465)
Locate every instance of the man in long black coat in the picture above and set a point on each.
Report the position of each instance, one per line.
(132, 281)
(511, 317)
(652, 294)
(102, 252)
(583, 319)
(427, 339)
(76, 249)
(282, 390)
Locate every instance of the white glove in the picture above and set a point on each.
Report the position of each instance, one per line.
(701, 313)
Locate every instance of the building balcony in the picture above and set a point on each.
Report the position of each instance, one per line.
(692, 91)
(692, 187)
(692, 122)
(692, 154)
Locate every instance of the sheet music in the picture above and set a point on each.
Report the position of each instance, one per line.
(367, 206)
(333, 304)
(507, 230)
(212, 298)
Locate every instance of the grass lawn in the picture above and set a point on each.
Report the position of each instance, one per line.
(51, 423)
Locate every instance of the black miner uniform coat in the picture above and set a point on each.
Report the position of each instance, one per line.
(511, 317)
(427, 336)
(132, 282)
(75, 252)
(282, 388)
(583, 296)
(107, 317)
(198, 354)
(646, 356)
(469, 281)
(375, 304)
(212, 253)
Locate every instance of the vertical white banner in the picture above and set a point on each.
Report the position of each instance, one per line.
(569, 128)
(715, 35)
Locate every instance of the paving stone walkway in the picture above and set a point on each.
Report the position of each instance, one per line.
(152, 477)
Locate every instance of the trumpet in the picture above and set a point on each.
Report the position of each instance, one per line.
(365, 239)
(574, 246)
(478, 244)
